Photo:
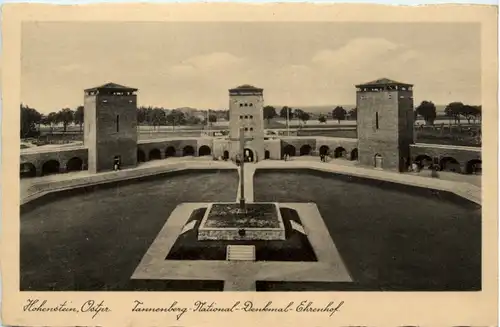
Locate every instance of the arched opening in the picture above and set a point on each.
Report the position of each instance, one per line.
(289, 149)
(141, 156)
(474, 167)
(154, 154)
(354, 154)
(423, 161)
(449, 164)
(188, 151)
(27, 170)
(50, 167)
(249, 157)
(339, 152)
(324, 150)
(225, 155)
(204, 151)
(378, 161)
(305, 150)
(170, 152)
(74, 164)
(267, 154)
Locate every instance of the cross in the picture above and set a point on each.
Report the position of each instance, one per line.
(242, 164)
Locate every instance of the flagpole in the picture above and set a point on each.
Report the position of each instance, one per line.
(208, 121)
(287, 121)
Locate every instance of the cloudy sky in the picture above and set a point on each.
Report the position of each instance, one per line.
(177, 64)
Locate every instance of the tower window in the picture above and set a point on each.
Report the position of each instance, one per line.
(241, 117)
(246, 105)
(251, 104)
(251, 128)
(246, 117)
(376, 120)
(251, 117)
(241, 104)
(117, 123)
(246, 129)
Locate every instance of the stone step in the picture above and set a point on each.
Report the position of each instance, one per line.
(240, 253)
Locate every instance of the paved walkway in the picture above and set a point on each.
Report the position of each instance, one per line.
(463, 185)
(34, 187)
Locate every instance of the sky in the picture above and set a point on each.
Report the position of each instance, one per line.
(181, 64)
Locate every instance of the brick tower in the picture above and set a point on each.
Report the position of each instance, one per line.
(385, 124)
(110, 113)
(246, 110)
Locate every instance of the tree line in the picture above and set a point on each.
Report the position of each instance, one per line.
(286, 112)
(32, 119)
(454, 110)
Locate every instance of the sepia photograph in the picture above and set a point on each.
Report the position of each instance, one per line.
(328, 158)
(211, 157)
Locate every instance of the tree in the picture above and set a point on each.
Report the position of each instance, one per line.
(427, 110)
(283, 112)
(453, 110)
(52, 119)
(322, 118)
(353, 113)
(302, 115)
(339, 113)
(65, 116)
(45, 121)
(176, 117)
(471, 112)
(141, 115)
(158, 117)
(269, 113)
(78, 118)
(192, 120)
(30, 117)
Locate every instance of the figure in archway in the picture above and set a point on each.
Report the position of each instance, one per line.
(248, 155)
(117, 163)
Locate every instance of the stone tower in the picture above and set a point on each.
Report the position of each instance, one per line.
(385, 121)
(110, 113)
(246, 110)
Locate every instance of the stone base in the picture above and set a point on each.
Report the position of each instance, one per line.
(242, 229)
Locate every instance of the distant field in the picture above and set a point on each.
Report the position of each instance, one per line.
(346, 129)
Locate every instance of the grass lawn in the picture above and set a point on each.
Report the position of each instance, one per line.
(93, 241)
(258, 215)
(391, 237)
(296, 247)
